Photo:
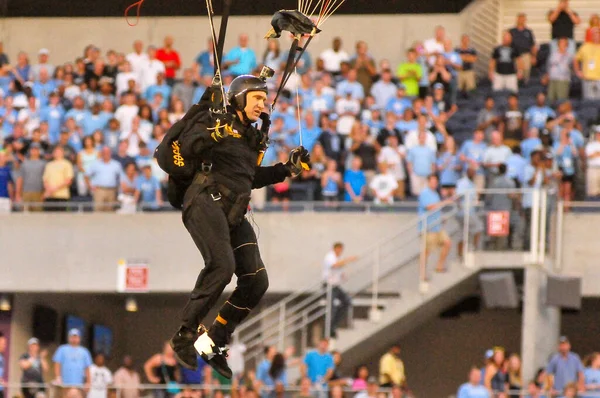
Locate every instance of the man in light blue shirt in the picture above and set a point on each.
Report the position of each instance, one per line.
(351, 85)
(310, 132)
(421, 164)
(515, 167)
(564, 367)
(72, 362)
(531, 143)
(104, 176)
(240, 60)
(399, 103)
(147, 189)
(538, 115)
(430, 223)
(471, 154)
(78, 112)
(162, 88)
(54, 115)
(384, 89)
(318, 364)
(43, 87)
(473, 389)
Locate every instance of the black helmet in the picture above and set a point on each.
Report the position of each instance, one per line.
(242, 85)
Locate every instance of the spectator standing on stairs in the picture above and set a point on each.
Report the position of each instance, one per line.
(505, 67)
(524, 43)
(333, 274)
(563, 20)
(391, 369)
(587, 66)
(558, 66)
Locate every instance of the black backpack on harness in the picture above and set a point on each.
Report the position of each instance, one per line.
(168, 153)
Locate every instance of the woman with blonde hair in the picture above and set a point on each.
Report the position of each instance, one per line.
(515, 381)
(594, 23)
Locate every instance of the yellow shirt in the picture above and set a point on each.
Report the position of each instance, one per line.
(393, 366)
(57, 172)
(589, 55)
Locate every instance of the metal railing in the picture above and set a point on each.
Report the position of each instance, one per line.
(53, 390)
(298, 311)
(299, 206)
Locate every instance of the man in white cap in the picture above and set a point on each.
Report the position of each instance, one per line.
(72, 362)
(33, 364)
(43, 56)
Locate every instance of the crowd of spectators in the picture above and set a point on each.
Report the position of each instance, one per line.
(76, 373)
(566, 375)
(87, 129)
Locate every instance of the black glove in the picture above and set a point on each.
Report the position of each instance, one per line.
(299, 160)
(266, 122)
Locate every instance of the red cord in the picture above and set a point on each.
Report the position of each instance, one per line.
(137, 4)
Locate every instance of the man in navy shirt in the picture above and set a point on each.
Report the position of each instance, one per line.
(524, 43)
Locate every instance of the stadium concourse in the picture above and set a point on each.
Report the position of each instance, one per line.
(82, 135)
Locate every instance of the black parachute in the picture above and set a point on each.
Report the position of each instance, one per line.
(292, 21)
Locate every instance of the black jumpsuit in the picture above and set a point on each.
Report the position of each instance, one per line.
(227, 247)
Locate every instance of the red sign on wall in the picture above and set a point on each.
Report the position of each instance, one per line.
(498, 223)
(136, 278)
(133, 277)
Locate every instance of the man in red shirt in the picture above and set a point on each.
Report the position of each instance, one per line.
(170, 58)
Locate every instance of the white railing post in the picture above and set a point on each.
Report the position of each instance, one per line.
(543, 222)
(281, 342)
(466, 220)
(423, 257)
(375, 293)
(559, 235)
(304, 332)
(534, 226)
(329, 309)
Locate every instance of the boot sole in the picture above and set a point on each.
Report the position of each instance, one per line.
(226, 374)
(181, 362)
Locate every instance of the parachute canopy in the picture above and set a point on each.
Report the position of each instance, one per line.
(292, 21)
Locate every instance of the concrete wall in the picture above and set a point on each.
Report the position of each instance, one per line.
(580, 250)
(190, 34)
(79, 252)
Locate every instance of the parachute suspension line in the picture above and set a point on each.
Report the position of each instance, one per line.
(298, 104)
(218, 79)
(331, 12)
(307, 4)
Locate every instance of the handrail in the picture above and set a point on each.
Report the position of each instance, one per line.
(293, 206)
(219, 387)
